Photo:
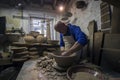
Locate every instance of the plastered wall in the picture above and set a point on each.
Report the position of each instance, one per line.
(25, 23)
(82, 17)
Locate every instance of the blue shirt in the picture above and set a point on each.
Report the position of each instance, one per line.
(77, 34)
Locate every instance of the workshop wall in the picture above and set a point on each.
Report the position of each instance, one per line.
(83, 16)
(25, 23)
(10, 22)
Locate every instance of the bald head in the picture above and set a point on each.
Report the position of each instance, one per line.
(60, 27)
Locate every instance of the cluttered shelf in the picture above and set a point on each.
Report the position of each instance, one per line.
(34, 44)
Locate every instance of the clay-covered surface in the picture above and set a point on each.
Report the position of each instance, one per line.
(80, 72)
(41, 69)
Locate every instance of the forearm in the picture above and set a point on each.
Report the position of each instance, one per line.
(77, 46)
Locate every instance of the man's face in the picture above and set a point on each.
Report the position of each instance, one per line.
(61, 28)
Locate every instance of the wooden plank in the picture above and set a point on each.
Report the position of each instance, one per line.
(115, 21)
(112, 41)
(92, 28)
(112, 57)
(98, 40)
(111, 51)
(28, 71)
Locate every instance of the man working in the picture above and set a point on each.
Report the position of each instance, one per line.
(72, 39)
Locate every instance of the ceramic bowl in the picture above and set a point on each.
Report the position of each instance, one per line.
(97, 74)
(63, 61)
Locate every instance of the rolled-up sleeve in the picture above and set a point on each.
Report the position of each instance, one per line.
(61, 40)
(80, 36)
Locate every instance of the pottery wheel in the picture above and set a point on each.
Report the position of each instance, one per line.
(58, 68)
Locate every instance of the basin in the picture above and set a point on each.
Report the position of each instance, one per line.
(82, 72)
(63, 61)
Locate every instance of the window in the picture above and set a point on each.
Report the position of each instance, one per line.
(44, 26)
(39, 25)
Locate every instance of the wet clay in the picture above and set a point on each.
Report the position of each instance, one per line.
(83, 76)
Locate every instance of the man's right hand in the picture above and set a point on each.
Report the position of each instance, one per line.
(62, 48)
(64, 53)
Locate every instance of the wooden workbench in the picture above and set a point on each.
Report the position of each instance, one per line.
(38, 70)
(28, 71)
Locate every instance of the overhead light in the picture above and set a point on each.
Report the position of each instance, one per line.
(61, 8)
(19, 4)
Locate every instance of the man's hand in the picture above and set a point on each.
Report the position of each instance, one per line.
(64, 53)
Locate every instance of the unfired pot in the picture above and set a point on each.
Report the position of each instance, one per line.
(29, 39)
(40, 38)
(63, 61)
(34, 33)
(90, 70)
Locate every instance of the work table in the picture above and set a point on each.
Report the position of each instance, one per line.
(41, 70)
(33, 70)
